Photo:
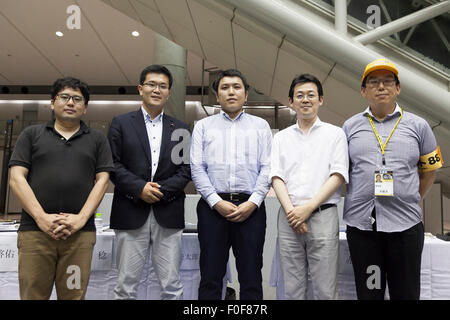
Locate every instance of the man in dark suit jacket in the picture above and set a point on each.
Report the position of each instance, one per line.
(149, 179)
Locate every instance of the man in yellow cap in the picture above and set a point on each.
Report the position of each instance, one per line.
(384, 220)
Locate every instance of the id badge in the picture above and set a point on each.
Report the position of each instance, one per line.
(384, 183)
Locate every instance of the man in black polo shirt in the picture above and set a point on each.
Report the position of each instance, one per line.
(59, 172)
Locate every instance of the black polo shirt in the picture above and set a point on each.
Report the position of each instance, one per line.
(61, 172)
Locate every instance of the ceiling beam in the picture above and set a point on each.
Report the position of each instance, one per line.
(403, 23)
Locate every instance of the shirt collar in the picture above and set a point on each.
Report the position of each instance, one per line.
(147, 116)
(224, 114)
(83, 127)
(316, 123)
(396, 110)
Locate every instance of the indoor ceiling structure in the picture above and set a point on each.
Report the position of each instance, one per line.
(225, 33)
(102, 51)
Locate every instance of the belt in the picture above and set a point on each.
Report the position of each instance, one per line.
(234, 196)
(324, 206)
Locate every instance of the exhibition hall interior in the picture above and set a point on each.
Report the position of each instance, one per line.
(107, 43)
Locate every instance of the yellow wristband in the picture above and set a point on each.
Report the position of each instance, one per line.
(431, 161)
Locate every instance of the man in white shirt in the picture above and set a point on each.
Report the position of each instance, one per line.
(309, 163)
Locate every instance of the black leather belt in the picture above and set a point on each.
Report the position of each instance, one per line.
(324, 206)
(234, 197)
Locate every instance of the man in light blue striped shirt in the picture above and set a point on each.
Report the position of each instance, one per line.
(230, 164)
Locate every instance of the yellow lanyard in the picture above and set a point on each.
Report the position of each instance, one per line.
(383, 147)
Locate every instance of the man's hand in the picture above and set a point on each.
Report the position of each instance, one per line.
(71, 222)
(225, 208)
(151, 192)
(51, 225)
(298, 215)
(242, 212)
(302, 228)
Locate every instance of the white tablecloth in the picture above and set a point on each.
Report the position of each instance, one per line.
(104, 273)
(435, 273)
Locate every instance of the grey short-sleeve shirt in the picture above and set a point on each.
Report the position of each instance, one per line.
(411, 139)
(61, 172)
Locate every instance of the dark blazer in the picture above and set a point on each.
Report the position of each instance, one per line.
(132, 162)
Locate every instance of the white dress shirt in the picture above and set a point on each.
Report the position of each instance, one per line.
(154, 133)
(305, 161)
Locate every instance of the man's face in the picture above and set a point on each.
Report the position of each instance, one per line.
(231, 94)
(380, 88)
(69, 105)
(305, 101)
(155, 91)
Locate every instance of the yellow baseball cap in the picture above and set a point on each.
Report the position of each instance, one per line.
(380, 64)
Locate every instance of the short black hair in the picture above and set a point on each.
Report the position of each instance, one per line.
(363, 84)
(305, 78)
(156, 68)
(229, 73)
(70, 82)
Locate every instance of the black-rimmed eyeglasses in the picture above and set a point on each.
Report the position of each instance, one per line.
(153, 85)
(64, 98)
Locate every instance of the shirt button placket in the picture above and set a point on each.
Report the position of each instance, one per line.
(233, 158)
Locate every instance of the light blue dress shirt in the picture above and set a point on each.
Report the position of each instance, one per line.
(231, 156)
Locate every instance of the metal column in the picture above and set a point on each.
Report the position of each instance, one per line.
(340, 16)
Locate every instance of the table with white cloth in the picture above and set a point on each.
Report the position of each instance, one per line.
(435, 271)
(104, 272)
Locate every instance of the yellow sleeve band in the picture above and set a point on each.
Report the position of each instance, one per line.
(431, 161)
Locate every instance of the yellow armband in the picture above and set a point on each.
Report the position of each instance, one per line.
(431, 161)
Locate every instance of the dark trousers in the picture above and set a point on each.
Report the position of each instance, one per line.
(398, 256)
(216, 235)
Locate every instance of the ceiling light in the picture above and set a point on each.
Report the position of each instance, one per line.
(59, 33)
(135, 34)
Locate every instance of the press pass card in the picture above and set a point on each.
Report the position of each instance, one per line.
(384, 183)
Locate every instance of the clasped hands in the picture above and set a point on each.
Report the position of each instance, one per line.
(235, 213)
(61, 225)
(297, 217)
(151, 192)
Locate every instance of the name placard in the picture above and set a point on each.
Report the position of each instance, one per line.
(9, 255)
(102, 255)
